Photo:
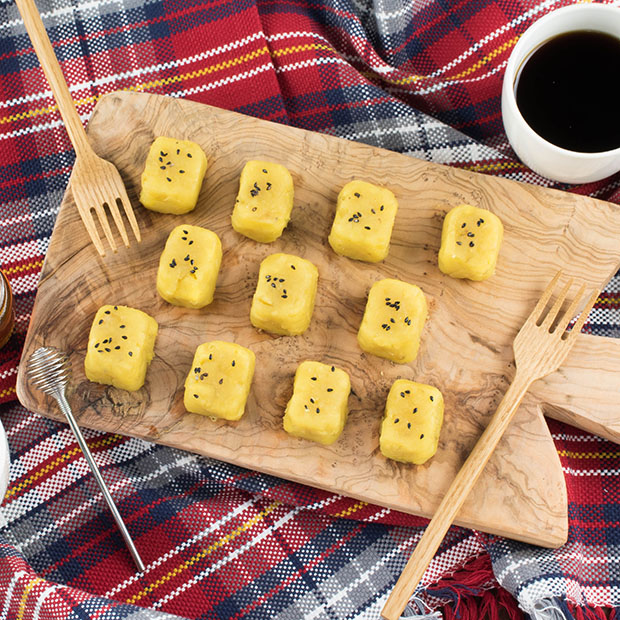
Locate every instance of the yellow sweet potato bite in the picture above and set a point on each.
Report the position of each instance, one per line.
(470, 241)
(319, 406)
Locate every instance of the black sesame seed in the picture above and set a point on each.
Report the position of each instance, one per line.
(318, 410)
(415, 410)
(402, 395)
(107, 312)
(130, 354)
(356, 194)
(470, 234)
(169, 179)
(210, 356)
(367, 227)
(221, 381)
(313, 378)
(432, 398)
(422, 436)
(161, 159)
(463, 224)
(184, 238)
(312, 400)
(124, 337)
(190, 242)
(268, 186)
(397, 420)
(195, 395)
(178, 151)
(273, 285)
(181, 171)
(392, 321)
(122, 326)
(108, 350)
(292, 266)
(96, 344)
(186, 258)
(185, 232)
(173, 263)
(233, 363)
(100, 321)
(254, 208)
(459, 243)
(471, 244)
(203, 375)
(117, 347)
(265, 170)
(381, 208)
(373, 211)
(281, 279)
(284, 296)
(330, 389)
(162, 167)
(408, 424)
(333, 368)
(189, 155)
(197, 369)
(407, 391)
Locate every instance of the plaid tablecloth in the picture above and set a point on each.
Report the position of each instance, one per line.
(422, 78)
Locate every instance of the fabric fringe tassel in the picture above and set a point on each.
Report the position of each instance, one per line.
(470, 593)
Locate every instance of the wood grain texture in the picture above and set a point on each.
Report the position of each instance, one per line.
(466, 344)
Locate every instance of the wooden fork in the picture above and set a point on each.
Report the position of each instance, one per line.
(95, 182)
(540, 347)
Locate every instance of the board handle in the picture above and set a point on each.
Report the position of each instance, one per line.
(585, 391)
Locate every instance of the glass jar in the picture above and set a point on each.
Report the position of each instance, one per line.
(7, 314)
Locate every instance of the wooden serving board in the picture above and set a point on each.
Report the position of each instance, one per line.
(466, 344)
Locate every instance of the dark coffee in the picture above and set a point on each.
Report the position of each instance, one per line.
(568, 91)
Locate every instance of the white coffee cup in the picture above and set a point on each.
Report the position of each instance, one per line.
(543, 157)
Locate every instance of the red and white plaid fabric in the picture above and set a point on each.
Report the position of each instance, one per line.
(419, 78)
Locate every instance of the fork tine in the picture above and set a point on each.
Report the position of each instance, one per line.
(89, 224)
(118, 220)
(131, 216)
(584, 313)
(544, 298)
(555, 309)
(103, 220)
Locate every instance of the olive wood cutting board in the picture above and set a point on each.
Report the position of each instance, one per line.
(466, 348)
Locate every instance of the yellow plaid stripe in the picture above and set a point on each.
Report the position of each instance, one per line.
(146, 85)
(410, 79)
(24, 599)
(19, 268)
(205, 552)
(7, 392)
(14, 489)
(588, 455)
(351, 509)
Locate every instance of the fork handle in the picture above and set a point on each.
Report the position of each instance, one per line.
(45, 53)
(454, 499)
(66, 409)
